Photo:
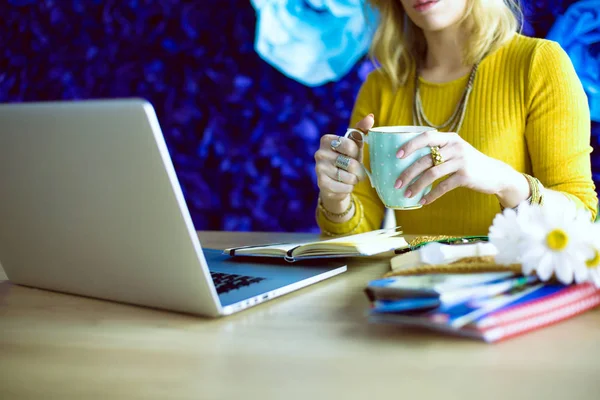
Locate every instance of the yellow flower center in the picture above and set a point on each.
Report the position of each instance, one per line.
(594, 261)
(557, 239)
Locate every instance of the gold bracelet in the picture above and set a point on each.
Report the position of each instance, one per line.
(336, 215)
(536, 190)
(361, 212)
(535, 186)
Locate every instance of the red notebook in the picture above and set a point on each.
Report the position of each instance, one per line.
(543, 305)
(535, 314)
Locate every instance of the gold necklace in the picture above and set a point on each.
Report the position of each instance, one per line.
(454, 123)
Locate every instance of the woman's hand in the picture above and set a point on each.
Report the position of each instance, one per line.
(335, 183)
(464, 165)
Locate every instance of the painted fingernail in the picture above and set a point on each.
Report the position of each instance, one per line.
(423, 201)
(335, 143)
(398, 184)
(408, 194)
(400, 154)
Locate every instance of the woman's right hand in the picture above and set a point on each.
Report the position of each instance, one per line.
(334, 193)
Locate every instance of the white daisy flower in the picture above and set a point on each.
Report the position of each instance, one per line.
(505, 236)
(553, 243)
(506, 233)
(593, 262)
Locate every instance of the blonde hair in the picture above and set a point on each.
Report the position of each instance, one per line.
(398, 43)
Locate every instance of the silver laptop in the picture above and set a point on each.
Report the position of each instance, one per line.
(90, 204)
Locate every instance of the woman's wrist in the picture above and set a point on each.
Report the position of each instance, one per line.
(515, 190)
(342, 228)
(337, 210)
(335, 205)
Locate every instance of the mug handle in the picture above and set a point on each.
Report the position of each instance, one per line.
(365, 140)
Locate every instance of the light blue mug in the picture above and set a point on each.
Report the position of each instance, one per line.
(384, 142)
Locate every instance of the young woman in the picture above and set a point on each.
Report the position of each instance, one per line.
(512, 117)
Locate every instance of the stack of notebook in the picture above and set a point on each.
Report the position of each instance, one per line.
(485, 306)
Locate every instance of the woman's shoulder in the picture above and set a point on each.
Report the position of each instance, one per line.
(525, 49)
(378, 81)
(527, 44)
(529, 58)
(377, 77)
(542, 64)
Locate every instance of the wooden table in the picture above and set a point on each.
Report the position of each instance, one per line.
(315, 343)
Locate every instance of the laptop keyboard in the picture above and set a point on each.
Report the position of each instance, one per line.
(227, 282)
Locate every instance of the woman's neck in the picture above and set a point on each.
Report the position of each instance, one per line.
(444, 58)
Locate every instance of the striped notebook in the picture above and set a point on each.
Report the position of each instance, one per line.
(540, 308)
(548, 309)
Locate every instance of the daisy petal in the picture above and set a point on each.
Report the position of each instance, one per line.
(581, 274)
(564, 269)
(532, 253)
(506, 258)
(545, 267)
(527, 268)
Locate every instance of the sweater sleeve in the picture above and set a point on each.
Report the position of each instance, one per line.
(369, 213)
(558, 126)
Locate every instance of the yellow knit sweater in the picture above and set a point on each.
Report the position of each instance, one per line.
(527, 109)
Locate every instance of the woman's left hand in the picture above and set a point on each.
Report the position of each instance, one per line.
(464, 165)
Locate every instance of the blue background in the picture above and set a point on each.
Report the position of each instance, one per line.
(241, 134)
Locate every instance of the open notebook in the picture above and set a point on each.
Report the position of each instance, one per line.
(362, 244)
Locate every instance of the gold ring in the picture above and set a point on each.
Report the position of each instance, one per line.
(436, 157)
(342, 162)
(339, 175)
